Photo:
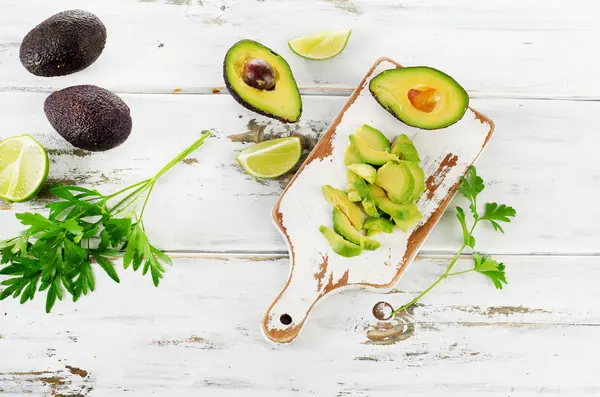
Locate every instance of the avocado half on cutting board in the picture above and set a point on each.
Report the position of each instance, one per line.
(262, 81)
(420, 96)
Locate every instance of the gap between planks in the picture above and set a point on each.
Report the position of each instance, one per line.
(319, 91)
(275, 255)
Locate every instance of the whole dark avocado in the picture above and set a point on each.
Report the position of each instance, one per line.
(89, 117)
(65, 43)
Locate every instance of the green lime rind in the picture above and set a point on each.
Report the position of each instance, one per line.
(331, 54)
(33, 187)
(265, 151)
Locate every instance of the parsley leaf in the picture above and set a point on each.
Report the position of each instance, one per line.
(54, 253)
(495, 213)
(490, 268)
(470, 187)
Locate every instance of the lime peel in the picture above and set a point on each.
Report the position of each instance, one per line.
(24, 168)
(272, 158)
(322, 45)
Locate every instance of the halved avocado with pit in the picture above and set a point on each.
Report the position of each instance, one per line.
(420, 96)
(261, 80)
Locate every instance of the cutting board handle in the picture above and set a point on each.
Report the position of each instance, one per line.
(288, 312)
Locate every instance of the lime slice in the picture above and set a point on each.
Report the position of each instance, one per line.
(270, 159)
(322, 45)
(23, 168)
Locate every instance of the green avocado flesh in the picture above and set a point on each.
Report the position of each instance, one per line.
(413, 216)
(363, 170)
(383, 184)
(420, 96)
(367, 154)
(340, 200)
(375, 139)
(262, 81)
(397, 180)
(378, 225)
(404, 148)
(418, 177)
(338, 244)
(367, 199)
(382, 201)
(344, 228)
(350, 156)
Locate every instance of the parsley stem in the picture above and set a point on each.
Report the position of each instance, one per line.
(463, 272)
(117, 208)
(127, 188)
(445, 275)
(183, 154)
(146, 200)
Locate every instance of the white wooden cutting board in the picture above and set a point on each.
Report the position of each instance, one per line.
(446, 154)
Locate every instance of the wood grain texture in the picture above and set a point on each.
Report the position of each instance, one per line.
(469, 339)
(493, 48)
(530, 164)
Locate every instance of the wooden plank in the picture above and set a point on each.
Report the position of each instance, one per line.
(501, 48)
(539, 160)
(201, 330)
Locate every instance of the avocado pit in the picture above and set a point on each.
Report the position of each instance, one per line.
(424, 99)
(259, 74)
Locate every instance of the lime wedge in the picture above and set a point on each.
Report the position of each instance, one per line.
(322, 45)
(23, 168)
(270, 159)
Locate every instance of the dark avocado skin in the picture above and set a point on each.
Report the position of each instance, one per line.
(246, 104)
(65, 43)
(89, 117)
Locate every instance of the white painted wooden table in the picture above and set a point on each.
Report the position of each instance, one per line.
(529, 65)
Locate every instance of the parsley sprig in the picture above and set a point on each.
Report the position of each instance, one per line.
(55, 253)
(471, 186)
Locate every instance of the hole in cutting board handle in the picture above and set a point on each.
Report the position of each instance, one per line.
(285, 319)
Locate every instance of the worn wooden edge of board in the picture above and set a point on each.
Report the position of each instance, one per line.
(323, 149)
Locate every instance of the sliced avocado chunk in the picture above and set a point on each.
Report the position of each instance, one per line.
(353, 194)
(338, 244)
(367, 199)
(340, 200)
(350, 156)
(414, 216)
(382, 201)
(364, 170)
(261, 80)
(406, 152)
(397, 180)
(351, 176)
(403, 139)
(405, 149)
(420, 96)
(343, 227)
(378, 225)
(418, 179)
(374, 137)
(367, 154)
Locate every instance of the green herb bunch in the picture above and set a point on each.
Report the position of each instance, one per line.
(85, 226)
(471, 186)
